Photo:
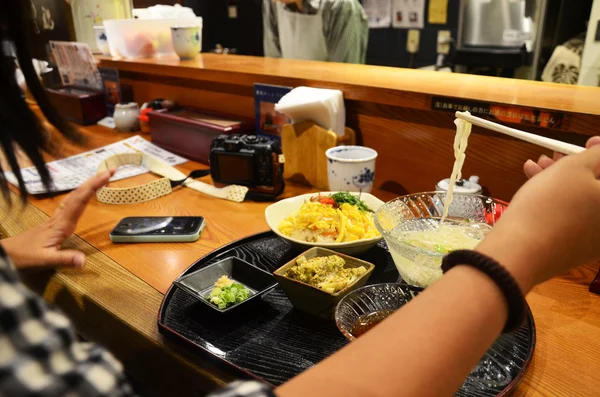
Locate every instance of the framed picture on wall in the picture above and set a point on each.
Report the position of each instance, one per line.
(90, 13)
(50, 24)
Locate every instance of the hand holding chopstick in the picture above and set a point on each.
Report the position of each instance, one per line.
(552, 144)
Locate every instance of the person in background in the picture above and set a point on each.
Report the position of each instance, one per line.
(40, 354)
(320, 30)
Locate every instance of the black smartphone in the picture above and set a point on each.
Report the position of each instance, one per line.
(158, 229)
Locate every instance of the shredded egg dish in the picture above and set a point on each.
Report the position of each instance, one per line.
(330, 219)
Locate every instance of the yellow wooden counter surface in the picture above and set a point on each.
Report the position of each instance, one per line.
(116, 298)
(378, 84)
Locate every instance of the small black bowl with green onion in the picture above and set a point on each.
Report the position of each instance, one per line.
(227, 284)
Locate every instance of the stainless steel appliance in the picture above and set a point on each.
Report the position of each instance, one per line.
(499, 37)
(498, 23)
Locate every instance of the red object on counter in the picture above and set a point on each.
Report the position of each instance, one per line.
(189, 132)
(145, 120)
(80, 105)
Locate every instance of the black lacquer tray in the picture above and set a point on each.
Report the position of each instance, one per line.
(272, 341)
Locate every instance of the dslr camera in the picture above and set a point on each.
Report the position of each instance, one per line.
(248, 160)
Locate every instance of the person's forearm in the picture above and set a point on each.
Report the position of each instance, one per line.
(426, 348)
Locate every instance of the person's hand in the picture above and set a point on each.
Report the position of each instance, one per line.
(41, 246)
(552, 223)
(532, 168)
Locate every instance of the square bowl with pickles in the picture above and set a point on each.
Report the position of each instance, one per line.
(319, 278)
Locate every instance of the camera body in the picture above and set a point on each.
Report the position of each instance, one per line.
(246, 160)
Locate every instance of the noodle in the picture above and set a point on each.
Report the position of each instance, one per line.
(463, 130)
(446, 238)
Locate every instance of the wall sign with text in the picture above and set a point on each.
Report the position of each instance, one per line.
(501, 112)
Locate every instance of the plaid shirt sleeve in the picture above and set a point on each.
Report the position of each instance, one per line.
(40, 354)
(346, 30)
(245, 389)
(270, 30)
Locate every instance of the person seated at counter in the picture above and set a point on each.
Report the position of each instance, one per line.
(319, 30)
(426, 348)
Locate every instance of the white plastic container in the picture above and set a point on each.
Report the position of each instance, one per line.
(143, 38)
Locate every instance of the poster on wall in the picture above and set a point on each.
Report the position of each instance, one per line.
(49, 23)
(90, 13)
(408, 14)
(379, 13)
(438, 12)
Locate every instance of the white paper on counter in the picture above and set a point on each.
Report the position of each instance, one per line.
(379, 13)
(71, 172)
(323, 106)
(409, 14)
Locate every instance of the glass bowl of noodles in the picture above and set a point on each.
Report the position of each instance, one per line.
(418, 240)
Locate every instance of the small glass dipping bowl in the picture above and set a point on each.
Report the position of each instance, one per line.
(366, 306)
(423, 211)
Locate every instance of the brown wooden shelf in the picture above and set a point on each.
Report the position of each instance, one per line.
(377, 84)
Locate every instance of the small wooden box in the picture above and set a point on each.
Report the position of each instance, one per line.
(79, 105)
(304, 145)
(189, 132)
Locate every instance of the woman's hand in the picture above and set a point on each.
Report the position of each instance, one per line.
(532, 168)
(553, 222)
(41, 246)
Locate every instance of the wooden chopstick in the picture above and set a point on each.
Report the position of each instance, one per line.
(552, 144)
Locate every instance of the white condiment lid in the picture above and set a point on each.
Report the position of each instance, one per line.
(469, 186)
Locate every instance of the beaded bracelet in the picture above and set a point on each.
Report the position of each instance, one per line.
(503, 279)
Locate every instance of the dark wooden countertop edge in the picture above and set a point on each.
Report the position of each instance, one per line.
(111, 306)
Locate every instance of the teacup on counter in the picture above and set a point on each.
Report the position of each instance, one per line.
(351, 168)
(101, 40)
(187, 41)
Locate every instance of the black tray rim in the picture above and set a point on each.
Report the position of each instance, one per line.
(164, 329)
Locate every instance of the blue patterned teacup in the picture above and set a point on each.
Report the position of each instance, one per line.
(187, 41)
(351, 168)
(101, 40)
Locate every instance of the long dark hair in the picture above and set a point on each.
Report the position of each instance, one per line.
(19, 125)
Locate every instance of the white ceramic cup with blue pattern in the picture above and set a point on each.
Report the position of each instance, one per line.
(351, 168)
(187, 41)
(101, 40)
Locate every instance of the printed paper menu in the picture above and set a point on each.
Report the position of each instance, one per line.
(71, 172)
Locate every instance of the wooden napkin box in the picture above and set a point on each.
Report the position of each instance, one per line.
(304, 145)
(189, 132)
(79, 105)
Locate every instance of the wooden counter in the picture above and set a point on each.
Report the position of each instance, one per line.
(377, 84)
(116, 298)
(390, 108)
